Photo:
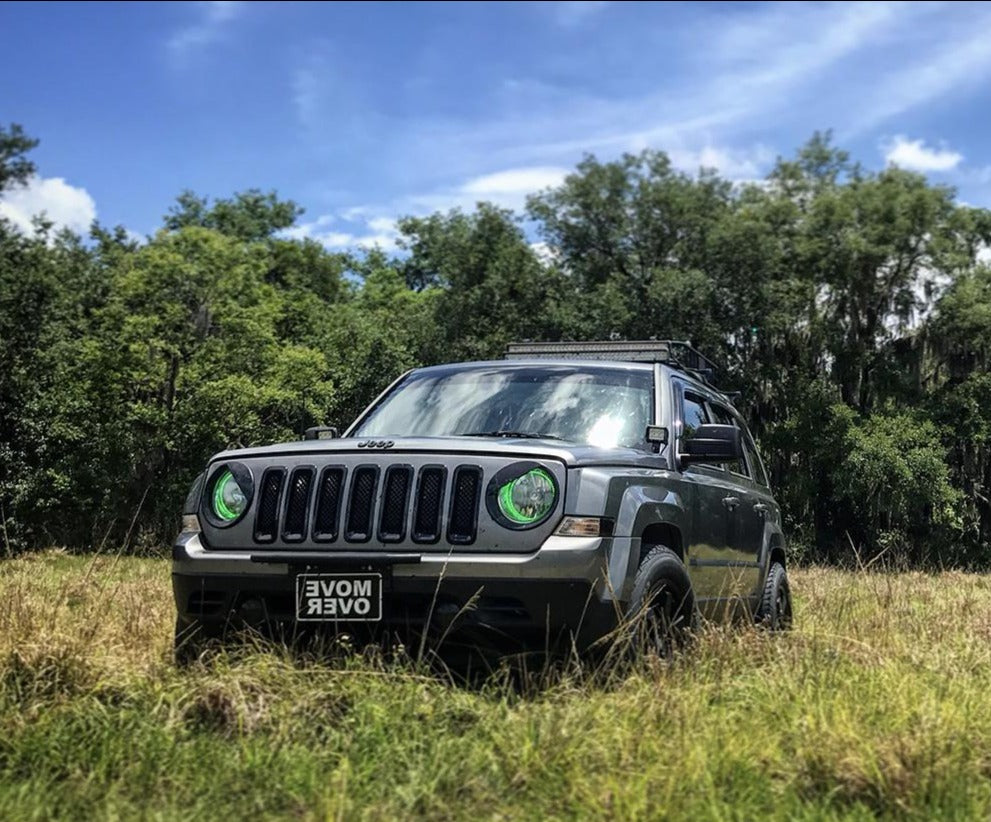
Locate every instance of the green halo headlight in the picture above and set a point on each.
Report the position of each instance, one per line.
(528, 498)
(229, 500)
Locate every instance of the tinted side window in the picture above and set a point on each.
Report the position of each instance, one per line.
(748, 445)
(724, 417)
(693, 414)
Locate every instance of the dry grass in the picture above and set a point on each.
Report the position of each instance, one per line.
(877, 704)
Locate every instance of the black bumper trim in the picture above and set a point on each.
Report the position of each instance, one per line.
(520, 613)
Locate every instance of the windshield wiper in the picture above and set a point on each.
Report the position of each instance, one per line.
(523, 435)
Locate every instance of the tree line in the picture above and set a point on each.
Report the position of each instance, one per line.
(849, 307)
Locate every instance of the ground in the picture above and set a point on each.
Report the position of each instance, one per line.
(877, 704)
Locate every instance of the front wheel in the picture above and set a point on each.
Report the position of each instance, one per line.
(774, 612)
(662, 608)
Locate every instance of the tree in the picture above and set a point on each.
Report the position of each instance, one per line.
(250, 215)
(493, 288)
(958, 362)
(15, 167)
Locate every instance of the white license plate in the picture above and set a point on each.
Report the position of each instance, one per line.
(339, 597)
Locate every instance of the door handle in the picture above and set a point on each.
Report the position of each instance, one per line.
(731, 502)
(760, 508)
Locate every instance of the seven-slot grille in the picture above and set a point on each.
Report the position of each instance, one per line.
(339, 503)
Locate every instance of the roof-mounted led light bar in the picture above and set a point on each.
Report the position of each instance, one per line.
(676, 353)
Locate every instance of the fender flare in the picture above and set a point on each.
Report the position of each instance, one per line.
(640, 506)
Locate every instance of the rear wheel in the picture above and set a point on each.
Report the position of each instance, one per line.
(662, 608)
(774, 612)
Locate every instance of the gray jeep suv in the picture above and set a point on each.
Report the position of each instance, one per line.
(549, 496)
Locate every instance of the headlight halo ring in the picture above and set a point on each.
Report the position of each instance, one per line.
(499, 496)
(220, 509)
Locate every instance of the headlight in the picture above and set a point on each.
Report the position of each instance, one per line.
(229, 500)
(227, 495)
(522, 496)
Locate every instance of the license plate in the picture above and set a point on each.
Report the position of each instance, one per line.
(339, 597)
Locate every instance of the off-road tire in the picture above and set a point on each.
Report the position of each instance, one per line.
(662, 613)
(774, 612)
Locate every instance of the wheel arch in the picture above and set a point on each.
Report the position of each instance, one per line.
(662, 533)
(776, 552)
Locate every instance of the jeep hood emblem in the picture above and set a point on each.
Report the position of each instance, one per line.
(376, 444)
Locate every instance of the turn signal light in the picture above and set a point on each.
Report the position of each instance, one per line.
(190, 524)
(584, 527)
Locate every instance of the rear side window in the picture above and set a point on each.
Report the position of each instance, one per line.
(760, 475)
(724, 417)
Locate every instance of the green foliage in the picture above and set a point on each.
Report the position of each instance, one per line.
(894, 481)
(15, 167)
(250, 215)
(848, 307)
(492, 288)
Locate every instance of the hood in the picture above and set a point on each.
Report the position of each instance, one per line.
(572, 455)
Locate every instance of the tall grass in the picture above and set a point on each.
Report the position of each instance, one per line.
(879, 703)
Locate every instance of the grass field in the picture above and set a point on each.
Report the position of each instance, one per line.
(879, 703)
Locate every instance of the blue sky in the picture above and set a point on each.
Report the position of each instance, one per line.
(362, 113)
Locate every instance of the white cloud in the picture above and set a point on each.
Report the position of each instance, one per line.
(382, 225)
(311, 231)
(545, 252)
(65, 205)
(214, 18)
(744, 164)
(363, 231)
(915, 155)
(506, 189)
(515, 181)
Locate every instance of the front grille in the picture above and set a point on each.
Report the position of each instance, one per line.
(297, 505)
(267, 520)
(395, 502)
(329, 498)
(361, 504)
(429, 504)
(463, 521)
(335, 504)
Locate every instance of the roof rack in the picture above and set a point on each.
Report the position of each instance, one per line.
(676, 353)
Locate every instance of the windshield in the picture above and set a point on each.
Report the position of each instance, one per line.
(579, 404)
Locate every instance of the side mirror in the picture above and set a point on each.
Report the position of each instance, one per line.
(712, 443)
(320, 432)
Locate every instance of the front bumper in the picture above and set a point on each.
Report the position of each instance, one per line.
(559, 592)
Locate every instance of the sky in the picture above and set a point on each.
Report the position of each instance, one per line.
(362, 113)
